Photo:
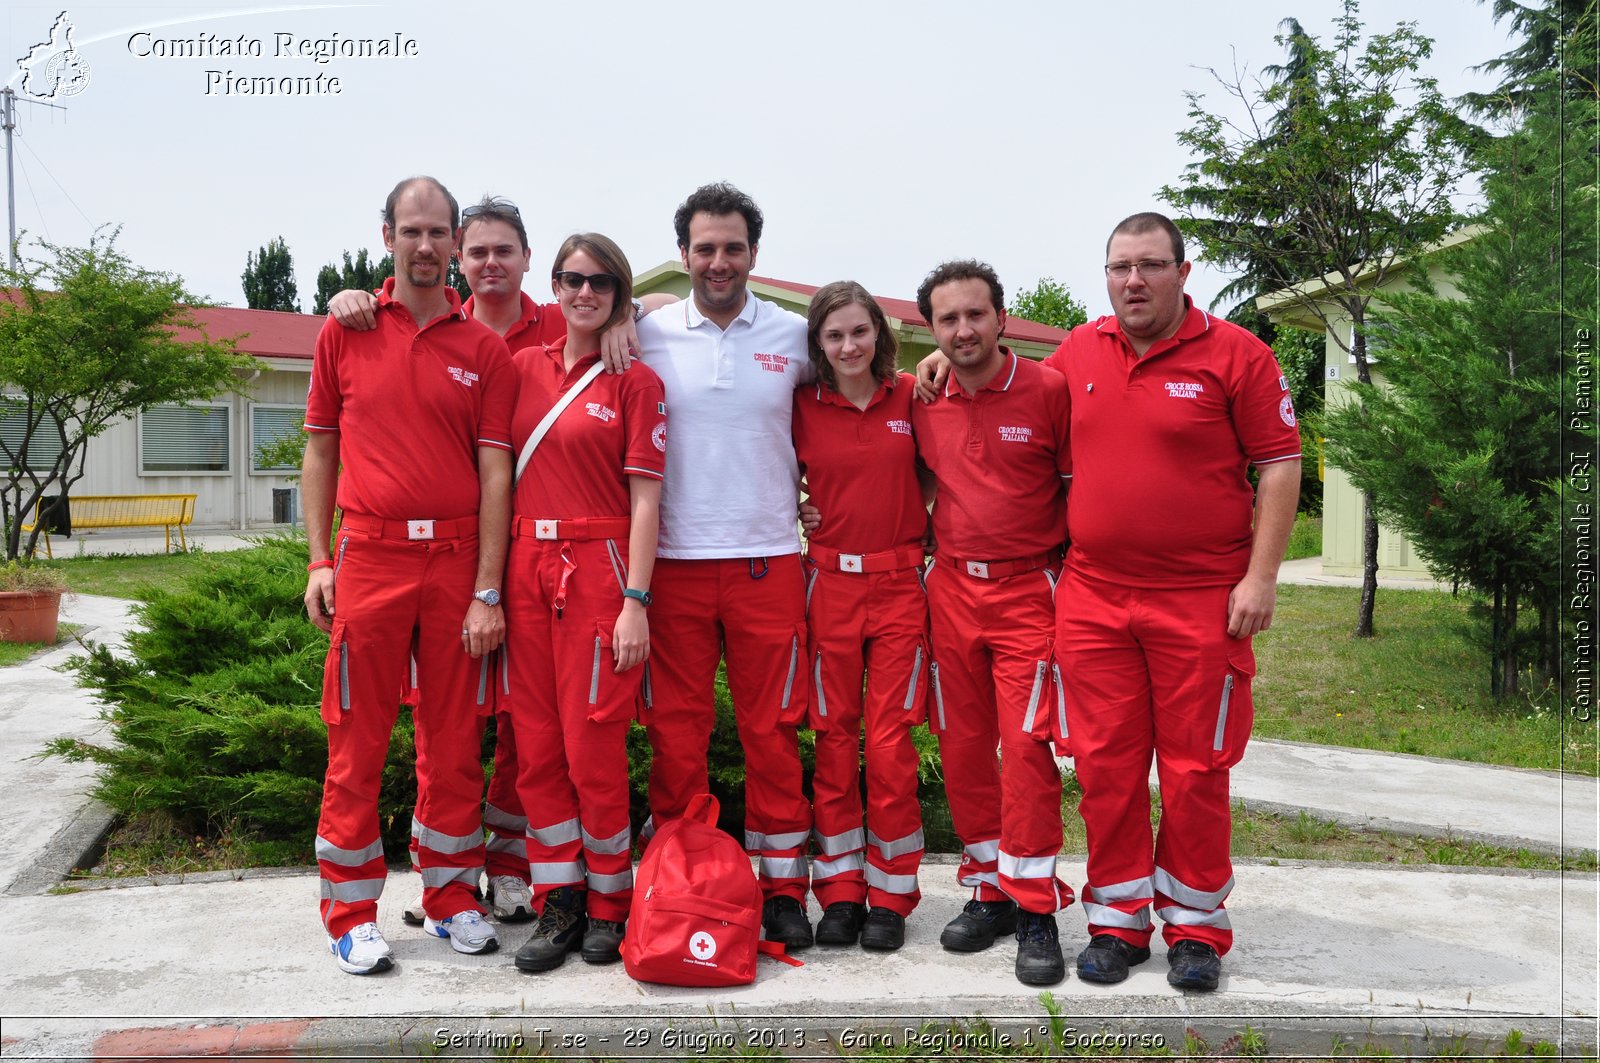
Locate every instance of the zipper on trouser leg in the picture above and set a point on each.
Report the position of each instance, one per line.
(594, 674)
(1033, 698)
(338, 561)
(938, 692)
(1222, 713)
(911, 688)
(822, 699)
(794, 666)
(344, 676)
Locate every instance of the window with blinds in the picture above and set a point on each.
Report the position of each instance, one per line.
(268, 425)
(45, 446)
(184, 439)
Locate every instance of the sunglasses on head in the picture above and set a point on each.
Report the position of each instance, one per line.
(494, 206)
(599, 283)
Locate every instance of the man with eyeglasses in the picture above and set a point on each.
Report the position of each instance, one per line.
(495, 258)
(420, 553)
(1169, 574)
(728, 583)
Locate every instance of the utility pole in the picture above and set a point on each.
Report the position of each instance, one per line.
(8, 117)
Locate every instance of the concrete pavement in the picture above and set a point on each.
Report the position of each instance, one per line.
(224, 964)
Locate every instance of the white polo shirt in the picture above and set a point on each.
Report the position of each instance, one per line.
(732, 480)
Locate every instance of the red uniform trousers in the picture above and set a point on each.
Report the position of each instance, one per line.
(751, 611)
(506, 848)
(876, 622)
(1153, 672)
(393, 594)
(995, 683)
(571, 712)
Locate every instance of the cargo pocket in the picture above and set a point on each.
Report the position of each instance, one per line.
(336, 677)
(915, 706)
(1235, 709)
(611, 696)
(794, 696)
(1039, 719)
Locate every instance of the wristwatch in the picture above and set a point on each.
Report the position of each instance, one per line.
(644, 598)
(490, 597)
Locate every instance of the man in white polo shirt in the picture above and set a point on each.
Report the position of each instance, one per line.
(728, 582)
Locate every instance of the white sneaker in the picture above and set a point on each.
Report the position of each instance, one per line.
(510, 899)
(362, 950)
(467, 932)
(413, 914)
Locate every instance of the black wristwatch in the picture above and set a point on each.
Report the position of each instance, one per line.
(644, 598)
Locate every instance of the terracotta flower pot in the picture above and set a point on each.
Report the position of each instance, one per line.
(29, 616)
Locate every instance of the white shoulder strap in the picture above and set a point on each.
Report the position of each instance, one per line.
(550, 418)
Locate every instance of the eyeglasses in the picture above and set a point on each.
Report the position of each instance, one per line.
(1146, 267)
(599, 283)
(495, 205)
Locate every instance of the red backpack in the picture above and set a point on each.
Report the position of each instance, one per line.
(696, 913)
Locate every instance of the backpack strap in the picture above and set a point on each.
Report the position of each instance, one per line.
(776, 949)
(550, 418)
(703, 808)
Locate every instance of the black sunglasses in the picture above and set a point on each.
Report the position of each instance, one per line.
(599, 283)
(494, 206)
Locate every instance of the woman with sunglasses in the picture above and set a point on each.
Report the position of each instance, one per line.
(867, 617)
(584, 527)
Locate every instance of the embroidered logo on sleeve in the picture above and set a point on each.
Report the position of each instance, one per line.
(462, 376)
(1015, 433)
(659, 437)
(1185, 389)
(1286, 410)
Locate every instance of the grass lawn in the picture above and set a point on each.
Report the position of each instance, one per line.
(17, 652)
(1419, 686)
(1305, 540)
(127, 575)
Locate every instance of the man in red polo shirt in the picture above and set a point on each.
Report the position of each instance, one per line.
(495, 257)
(409, 434)
(1169, 575)
(996, 444)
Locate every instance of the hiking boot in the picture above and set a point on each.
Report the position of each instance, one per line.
(884, 931)
(414, 914)
(1107, 959)
(979, 923)
(1039, 959)
(361, 950)
(468, 932)
(602, 942)
(510, 899)
(785, 921)
(841, 923)
(559, 931)
(1194, 965)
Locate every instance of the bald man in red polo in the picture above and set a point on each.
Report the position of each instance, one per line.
(409, 434)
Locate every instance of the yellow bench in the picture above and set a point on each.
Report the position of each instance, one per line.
(124, 511)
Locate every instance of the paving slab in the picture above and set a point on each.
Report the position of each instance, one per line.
(1321, 948)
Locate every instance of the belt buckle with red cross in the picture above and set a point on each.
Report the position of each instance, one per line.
(980, 569)
(419, 529)
(849, 562)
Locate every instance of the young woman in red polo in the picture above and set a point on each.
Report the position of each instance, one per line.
(867, 616)
(591, 454)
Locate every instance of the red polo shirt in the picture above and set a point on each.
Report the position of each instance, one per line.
(411, 408)
(861, 466)
(1160, 447)
(539, 326)
(1000, 457)
(615, 428)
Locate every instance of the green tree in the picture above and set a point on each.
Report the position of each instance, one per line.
(90, 339)
(359, 273)
(1461, 444)
(1342, 170)
(1049, 303)
(268, 279)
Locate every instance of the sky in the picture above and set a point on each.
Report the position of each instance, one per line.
(879, 137)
